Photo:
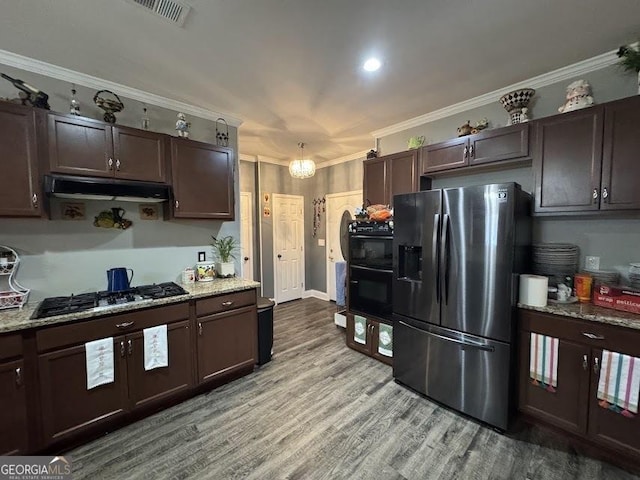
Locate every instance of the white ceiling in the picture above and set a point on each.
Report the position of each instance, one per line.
(291, 68)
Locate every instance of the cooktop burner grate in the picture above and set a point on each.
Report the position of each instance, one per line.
(53, 306)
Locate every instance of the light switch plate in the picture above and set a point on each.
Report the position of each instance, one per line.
(321, 242)
(592, 263)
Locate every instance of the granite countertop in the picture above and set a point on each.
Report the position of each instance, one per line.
(20, 319)
(588, 311)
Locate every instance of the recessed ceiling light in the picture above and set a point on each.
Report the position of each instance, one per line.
(372, 64)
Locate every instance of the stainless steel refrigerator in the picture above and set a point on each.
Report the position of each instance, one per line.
(456, 260)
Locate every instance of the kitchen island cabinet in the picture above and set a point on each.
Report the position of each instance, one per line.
(227, 335)
(13, 411)
(574, 406)
(202, 180)
(372, 338)
(69, 408)
(390, 175)
(20, 192)
(82, 146)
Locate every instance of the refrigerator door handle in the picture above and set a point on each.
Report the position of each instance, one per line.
(444, 258)
(435, 250)
(478, 346)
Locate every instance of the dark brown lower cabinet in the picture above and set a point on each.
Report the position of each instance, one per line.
(226, 343)
(67, 406)
(372, 336)
(574, 406)
(148, 386)
(13, 409)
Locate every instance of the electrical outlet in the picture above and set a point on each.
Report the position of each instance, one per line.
(321, 242)
(592, 263)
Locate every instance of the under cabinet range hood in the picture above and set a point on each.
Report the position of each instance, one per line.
(95, 188)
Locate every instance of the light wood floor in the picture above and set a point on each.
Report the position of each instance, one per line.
(319, 410)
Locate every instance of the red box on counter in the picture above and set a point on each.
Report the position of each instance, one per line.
(626, 299)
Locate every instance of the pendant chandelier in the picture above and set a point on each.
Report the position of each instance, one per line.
(302, 168)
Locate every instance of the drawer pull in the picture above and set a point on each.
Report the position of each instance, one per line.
(596, 366)
(118, 165)
(585, 363)
(34, 200)
(122, 348)
(19, 376)
(227, 304)
(200, 328)
(124, 324)
(593, 336)
(129, 347)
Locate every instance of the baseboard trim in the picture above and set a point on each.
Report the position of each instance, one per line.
(315, 294)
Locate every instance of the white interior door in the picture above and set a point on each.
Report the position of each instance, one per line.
(288, 252)
(246, 235)
(337, 204)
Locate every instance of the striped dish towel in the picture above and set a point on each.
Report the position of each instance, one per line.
(543, 361)
(619, 383)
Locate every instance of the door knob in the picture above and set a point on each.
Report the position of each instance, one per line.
(279, 256)
(246, 259)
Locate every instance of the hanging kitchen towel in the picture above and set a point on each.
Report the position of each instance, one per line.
(156, 352)
(341, 279)
(360, 329)
(385, 340)
(619, 383)
(99, 356)
(543, 361)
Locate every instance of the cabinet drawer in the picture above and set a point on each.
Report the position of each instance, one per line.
(10, 346)
(593, 334)
(222, 303)
(113, 325)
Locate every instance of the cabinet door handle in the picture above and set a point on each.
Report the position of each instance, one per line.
(124, 325)
(585, 363)
(593, 336)
(471, 151)
(34, 200)
(129, 347)
(465, 152)
(595, 195)
(596, 365)
(118, 164)
(200, 328)
(227, 304)
(605, 194)
(122, 348)
(19, 377)
(177, 204)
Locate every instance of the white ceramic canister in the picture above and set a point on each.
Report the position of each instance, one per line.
(206, 271)
(188, 275)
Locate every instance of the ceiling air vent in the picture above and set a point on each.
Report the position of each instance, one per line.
(171, 10)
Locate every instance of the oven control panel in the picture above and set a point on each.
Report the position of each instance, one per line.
(371, 228)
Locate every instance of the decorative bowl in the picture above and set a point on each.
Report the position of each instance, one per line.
(517, 99)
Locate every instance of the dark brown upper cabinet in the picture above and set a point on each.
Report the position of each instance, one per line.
(567, 161)
(390, 175)
(508, 143)
(82, 146)
(587, 161)
(202, 180)
(20, 192)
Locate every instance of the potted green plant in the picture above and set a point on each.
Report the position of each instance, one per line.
(630, 59)
(223, 249)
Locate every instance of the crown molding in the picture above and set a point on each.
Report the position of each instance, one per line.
(36, 66)
(555, 76)
(247, 158)
(347, 158)
(273, 161)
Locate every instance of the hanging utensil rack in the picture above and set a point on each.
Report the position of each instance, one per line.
(12, 294)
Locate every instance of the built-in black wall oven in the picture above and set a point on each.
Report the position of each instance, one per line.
(371, 268)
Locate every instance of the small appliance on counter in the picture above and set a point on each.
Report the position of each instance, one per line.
(53, 306)
(12, 294)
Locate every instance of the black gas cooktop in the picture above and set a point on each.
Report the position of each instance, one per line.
(53, 306)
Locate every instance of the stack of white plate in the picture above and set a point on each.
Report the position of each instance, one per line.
(555, 259)
(604, 277)
(634, 275)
